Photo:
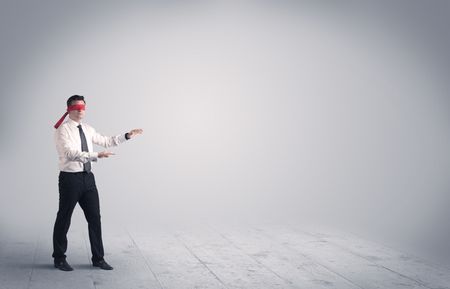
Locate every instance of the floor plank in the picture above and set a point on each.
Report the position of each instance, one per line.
(173, 263)
(290, 265)
(405, 264)
(235, 269)
(360, 271)
(16, 265)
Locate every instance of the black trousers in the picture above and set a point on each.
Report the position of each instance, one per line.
(77, 188)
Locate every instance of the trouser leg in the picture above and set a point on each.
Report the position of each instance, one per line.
(90, 204)
(69, 192)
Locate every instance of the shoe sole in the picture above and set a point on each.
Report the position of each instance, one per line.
(65, 270)
(109, 269)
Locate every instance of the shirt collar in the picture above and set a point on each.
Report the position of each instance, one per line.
(72, 122)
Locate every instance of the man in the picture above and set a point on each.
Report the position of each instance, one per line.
(74, 143)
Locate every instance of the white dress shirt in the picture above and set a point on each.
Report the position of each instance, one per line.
(68, 145)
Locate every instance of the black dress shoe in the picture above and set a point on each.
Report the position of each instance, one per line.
(63, 265)
(102, 265)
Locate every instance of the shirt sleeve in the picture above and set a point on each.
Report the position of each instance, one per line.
(107, 141)
(65, 148)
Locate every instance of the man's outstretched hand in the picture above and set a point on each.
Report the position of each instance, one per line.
(135, 132)
(105, 154)
(131, 134)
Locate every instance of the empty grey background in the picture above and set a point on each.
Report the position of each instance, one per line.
(308, 111)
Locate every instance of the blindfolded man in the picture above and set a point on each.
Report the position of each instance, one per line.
(74, 143)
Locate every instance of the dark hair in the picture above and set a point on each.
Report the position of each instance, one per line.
(74, 98)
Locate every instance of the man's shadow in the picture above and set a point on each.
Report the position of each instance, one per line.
(50, 266)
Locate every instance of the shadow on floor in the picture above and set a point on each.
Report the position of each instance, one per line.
(82, 266)
(50, 266)
(44, 266)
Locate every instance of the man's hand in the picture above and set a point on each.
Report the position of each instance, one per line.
(135, 132)
(105, 154)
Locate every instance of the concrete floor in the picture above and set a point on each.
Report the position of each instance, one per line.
(244, 257)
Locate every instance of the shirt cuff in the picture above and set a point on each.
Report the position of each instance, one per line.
(93, 156)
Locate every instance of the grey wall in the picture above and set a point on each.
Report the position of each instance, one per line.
(252, 110)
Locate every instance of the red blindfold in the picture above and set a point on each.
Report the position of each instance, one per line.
(70, 108)
(76, 107)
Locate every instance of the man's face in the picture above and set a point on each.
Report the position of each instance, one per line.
(77, 115)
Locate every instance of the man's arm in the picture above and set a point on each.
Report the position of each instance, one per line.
(109, 141)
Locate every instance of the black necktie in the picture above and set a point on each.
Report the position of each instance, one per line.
(84, 148)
